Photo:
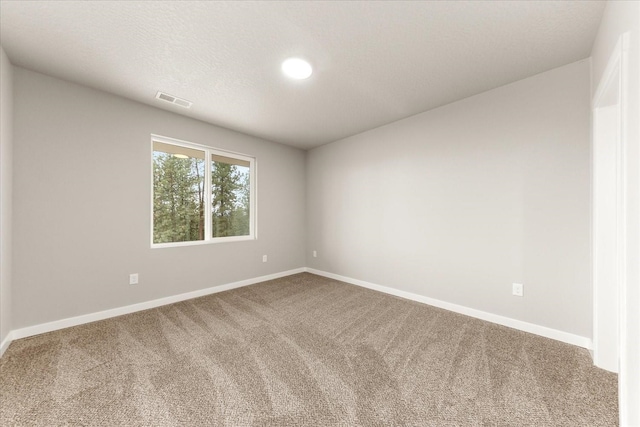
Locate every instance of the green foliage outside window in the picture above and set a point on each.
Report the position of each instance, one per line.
(179, 198)
(229, 200)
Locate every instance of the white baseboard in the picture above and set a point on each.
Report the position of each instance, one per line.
(101, 315)
(494, 318)
(532, 328)
(5, 343)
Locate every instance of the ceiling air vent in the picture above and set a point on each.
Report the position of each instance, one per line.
(174, 100)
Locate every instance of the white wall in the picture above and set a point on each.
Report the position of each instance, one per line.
(82, 204)
(459, 202)
(6, 149)
(620, 17)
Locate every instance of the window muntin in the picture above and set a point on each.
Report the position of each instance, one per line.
(195, 201)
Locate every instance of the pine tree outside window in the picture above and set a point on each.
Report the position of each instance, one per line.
(200, 194)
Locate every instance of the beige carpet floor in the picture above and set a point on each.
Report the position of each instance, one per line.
(300, 351)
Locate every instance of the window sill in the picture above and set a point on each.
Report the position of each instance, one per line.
(203, 242)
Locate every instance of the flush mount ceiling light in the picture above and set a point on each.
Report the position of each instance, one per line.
(181, 156)
(296, 68)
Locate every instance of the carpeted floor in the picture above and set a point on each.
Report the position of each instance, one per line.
(301, 351)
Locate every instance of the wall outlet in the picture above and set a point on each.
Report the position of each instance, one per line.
(517, 289)
(133, 279)
(264, 258)
(315, 254)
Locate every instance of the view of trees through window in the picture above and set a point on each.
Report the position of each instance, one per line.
(229, 199)
(179, 185)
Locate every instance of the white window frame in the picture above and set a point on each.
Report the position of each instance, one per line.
(253, 213)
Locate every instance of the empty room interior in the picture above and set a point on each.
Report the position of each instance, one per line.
(377, 213)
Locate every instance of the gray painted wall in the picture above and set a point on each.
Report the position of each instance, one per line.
(6, 148)
(82, 204)
(459, 202)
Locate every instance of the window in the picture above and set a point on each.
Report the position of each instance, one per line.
(200, 194)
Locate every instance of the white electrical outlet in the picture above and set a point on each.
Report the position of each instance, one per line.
(133, 279)
(517, 289)
(315, 254)
(264, 258)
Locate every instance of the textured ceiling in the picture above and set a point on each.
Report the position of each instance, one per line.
(374, 62)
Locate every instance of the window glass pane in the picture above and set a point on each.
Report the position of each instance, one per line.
(230, 196)
(178, 193)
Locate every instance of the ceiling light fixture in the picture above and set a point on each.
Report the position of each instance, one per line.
(181, 156)
(297, 68)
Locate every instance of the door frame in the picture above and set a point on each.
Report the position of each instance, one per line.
(609, 221)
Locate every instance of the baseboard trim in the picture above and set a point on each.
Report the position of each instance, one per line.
(555, 334)
(5, 343)
(532, 328)
(114, 312)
